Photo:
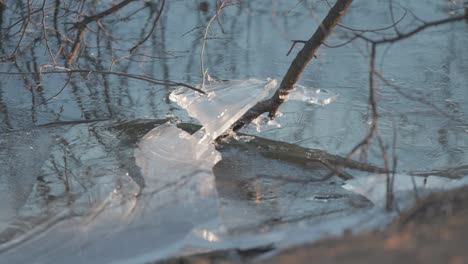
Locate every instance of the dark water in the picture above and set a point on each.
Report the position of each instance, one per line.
(52, 127)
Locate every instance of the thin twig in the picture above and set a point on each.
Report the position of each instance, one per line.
(129, 75)
(219, 7)
(426, 25)
(294, 44)
(58, 93)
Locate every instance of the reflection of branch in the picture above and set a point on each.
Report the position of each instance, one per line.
(393, 16)
(298, 65)
(219, 7)
(364, 144)
(153, 28)
(111, 10)
(88, 19)
(44, 31)
(58, 93)
(24, 26)
(361, 32)
(129, 75)
(422, 100)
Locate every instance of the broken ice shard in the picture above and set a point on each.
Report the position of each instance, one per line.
(224, 102)
(167, 155)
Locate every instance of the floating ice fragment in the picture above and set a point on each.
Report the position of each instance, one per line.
(165, 159)
(224, 103)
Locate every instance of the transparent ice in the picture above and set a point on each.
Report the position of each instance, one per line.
(224, 102)
(179, 207)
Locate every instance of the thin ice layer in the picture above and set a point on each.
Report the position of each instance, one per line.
(129, 224)
(168, 155)
(224, 103)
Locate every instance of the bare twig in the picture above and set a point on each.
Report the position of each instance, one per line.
(219, 6)
(367, 140)
(294, 44)
(426, 25)
(129, 75)
(58, 93)
(394, 165)
(24, 27)
(363, 145)
(390, 3)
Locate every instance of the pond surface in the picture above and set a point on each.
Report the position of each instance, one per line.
(67, 143)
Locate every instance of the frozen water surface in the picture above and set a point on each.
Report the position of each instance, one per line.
(110, 218)
(102, 191)
(168, 192)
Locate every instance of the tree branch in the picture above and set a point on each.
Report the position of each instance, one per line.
(297, 67)
(424, 26)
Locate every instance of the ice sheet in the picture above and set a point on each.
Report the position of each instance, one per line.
(126, 223)
(173, 204)
(30, 148)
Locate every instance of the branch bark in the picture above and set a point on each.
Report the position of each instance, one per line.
(297, 67)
